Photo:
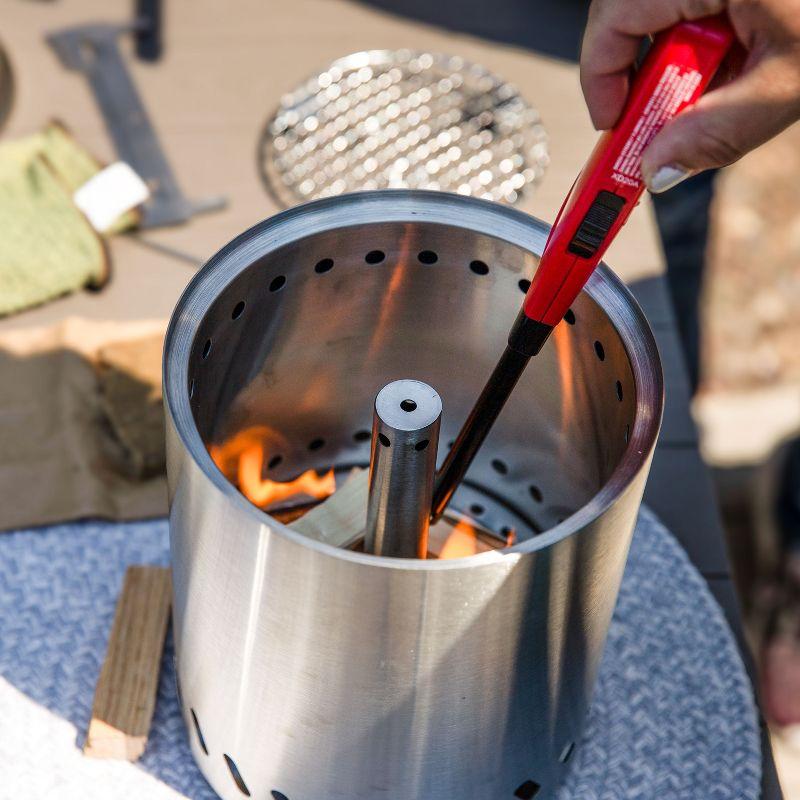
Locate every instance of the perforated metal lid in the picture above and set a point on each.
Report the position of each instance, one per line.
(383, 119)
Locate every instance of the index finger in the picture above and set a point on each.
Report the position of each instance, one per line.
(611, 43)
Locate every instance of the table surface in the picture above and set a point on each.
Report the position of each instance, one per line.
(221, 76)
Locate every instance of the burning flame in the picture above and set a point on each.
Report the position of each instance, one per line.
(463, 538)
(461, 542)
(567, 369)
(241, 459)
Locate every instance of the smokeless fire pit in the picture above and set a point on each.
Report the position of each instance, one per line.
(312, 672)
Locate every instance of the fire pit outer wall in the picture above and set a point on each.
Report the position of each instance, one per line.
(312, 673)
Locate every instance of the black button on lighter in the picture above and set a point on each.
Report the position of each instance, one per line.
(601, 215)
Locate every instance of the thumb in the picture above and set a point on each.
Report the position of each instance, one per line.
(725, 124)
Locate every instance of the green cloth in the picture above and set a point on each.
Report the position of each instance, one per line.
(73, 164)
(47, 247)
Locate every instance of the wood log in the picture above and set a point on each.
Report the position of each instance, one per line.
(125, 696)
(342, 518)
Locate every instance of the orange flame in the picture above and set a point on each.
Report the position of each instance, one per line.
(462, 542)
(567, 369)
(241, 459)
(458, 539)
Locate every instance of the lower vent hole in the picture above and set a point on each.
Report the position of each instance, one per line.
(236, 775)
(528, 790)
(199, 733)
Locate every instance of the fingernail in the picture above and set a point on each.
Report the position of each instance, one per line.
(666, 177)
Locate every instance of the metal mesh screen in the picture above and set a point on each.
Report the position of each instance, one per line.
(382, 119)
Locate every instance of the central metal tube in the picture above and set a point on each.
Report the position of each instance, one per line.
(405, 437)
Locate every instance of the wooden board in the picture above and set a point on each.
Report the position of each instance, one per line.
(125, 696)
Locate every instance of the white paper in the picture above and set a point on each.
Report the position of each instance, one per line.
(109, 194)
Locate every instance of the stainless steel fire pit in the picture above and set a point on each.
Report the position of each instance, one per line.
(314, 673)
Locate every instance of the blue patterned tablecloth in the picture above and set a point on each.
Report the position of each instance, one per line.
(673, 717)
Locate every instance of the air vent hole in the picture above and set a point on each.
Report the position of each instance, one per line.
(177, 683)
(201, 741)
(500, 466)
(528, 790)
(600, 350)
(479, 267)
(427, 257)
(236, 775)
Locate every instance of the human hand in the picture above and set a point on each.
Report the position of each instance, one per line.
(726, 122)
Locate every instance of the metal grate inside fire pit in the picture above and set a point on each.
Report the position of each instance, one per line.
(383, 119)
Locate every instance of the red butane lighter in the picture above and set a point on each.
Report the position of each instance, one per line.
(676, 71)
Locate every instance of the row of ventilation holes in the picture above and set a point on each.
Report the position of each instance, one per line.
(526, 791)
(425, 257)
(326, 265)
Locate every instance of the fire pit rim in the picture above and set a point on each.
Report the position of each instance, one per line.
(410, 205)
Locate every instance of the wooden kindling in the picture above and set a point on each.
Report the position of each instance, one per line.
(125, 696)
(341, 520)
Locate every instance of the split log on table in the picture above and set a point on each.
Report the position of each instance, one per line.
(125, 696)
(341, 520)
